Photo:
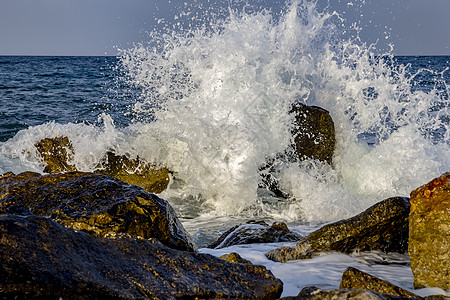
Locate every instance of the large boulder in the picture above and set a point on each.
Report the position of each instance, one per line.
(255, 232)
(384, 227)
(42, 259)
(313, 133)
(356, 279)
(93, 203)
(57, 153)
(429, 236)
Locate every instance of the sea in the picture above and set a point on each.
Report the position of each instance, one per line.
(210, 102)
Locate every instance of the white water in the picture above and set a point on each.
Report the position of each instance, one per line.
(214, 107)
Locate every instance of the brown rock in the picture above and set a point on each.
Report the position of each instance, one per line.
(235, 258)
(93, 203)
(429, 238)
(134, 171)
(312, 293)
(56, 153)
(356, 279)
(384, 227)
(42, 259)
(313, 132)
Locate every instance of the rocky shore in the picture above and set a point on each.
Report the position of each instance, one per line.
(104, 234)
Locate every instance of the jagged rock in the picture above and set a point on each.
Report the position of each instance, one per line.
(93, 203)
(313, 133)
(134, 171)
(56, 153)
(384, 227)
(235, 258)
(356, 279)
(254, 232)
(42, 259)
(313, 293)
(429, 237)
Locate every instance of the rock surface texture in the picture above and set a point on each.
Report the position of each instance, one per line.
(313, 133)
(56, 154)
(311, 293)
(429, 238)
(255, 232)
(356, 279)
(42, 259)
(384, 227)
(93, 203)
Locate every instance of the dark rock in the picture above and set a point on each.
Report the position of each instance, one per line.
(93, 203)
(356, 279)
(384, 227)
(429, 236)
(56, 153)
(254, 232)
(313, 133)
(313, 293)
(313, 137)
(235, 258)
(134, 171)
(42, 259)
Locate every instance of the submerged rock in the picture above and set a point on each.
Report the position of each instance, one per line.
(42, 259)
(313, 133)
(429, 237)
(58, 152)
(384, 227)
(93, 203)
(134, 171)
(356, 279)
(255, 232)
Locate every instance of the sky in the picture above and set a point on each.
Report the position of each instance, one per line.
(100, 27)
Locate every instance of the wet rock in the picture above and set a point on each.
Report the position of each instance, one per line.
(42, 259)
(313, 133)
(93, 203)
(356, 279)
(313, 137)
(384, 227)
(134, 171)
(313, 293)
(255, 232)
(56, 154)
(235, 258)
(429, 238)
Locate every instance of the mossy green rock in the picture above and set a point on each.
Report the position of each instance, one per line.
(43, 260)
(313, 133)
(429, 238)
(384, 227)
(93, 203)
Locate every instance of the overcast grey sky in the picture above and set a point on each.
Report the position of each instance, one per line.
(95, 27)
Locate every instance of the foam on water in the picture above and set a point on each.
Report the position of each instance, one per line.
(214, 107)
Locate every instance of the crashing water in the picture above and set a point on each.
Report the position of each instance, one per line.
(214, 107)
